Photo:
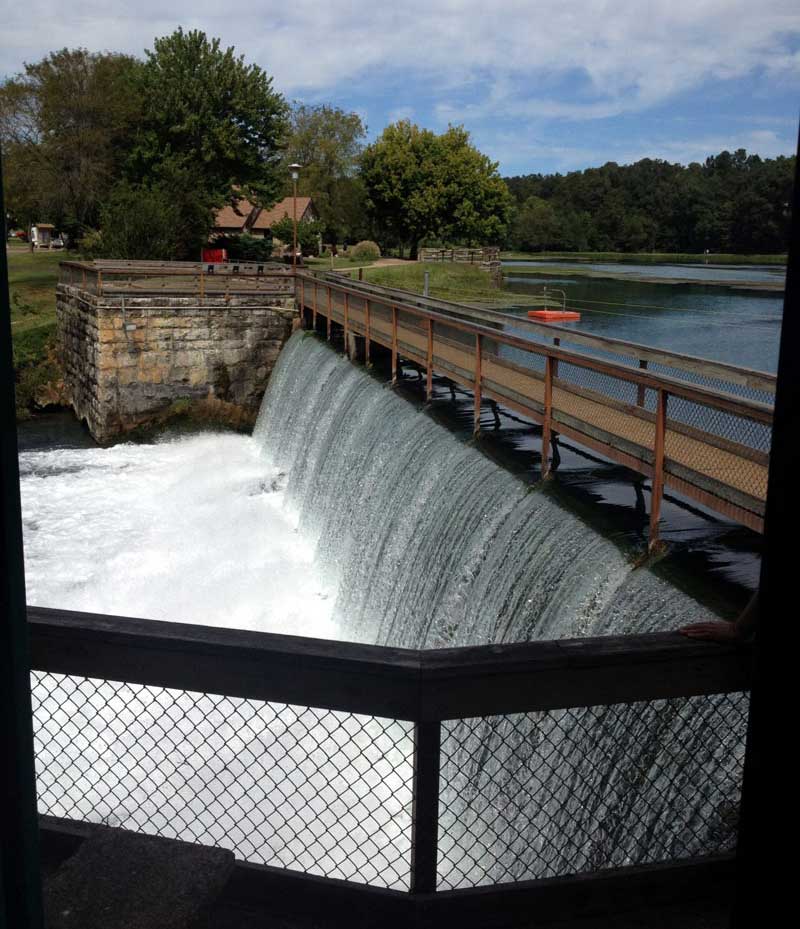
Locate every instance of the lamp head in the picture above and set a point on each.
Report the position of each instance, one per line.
(295, 169)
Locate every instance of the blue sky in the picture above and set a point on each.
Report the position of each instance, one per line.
(541, 87)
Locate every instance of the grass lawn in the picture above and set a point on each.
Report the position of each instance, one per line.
(32, 280)
(324, 264)
(448, 281)
(645, 257)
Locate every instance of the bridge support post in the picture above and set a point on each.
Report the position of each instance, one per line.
(302, 307)
(394, 346)
(429, 380)
(330, 305)
(657, 491)
(346, 327)
(366, 333)
(548, 416)
(640, 392)
(477, 389)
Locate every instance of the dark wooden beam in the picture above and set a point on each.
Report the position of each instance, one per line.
(396, 683)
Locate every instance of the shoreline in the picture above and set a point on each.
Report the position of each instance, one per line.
(567, 271)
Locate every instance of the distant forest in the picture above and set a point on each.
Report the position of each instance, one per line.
(734, 202)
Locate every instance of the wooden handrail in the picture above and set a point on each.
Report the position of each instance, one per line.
(735, 374)
(741, 406)
(422, 686)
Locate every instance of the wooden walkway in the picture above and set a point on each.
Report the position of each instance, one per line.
(709, 445)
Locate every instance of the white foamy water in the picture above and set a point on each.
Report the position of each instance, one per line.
(191, 530)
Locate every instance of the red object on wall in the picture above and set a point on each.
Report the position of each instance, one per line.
(215, 255)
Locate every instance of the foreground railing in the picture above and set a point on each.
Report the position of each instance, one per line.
(546, 769)
(708, 444)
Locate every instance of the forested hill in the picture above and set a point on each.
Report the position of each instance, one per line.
(731, 203)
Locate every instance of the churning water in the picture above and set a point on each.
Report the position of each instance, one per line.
(351, 515)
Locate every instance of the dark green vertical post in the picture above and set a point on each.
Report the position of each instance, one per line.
(20, 894)
(425, 813)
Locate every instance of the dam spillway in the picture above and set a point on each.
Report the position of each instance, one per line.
(434, 544)
(408, 537)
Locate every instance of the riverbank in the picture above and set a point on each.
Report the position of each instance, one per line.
(553, 269)
(647, 257)
(448, 281)
(32, 278)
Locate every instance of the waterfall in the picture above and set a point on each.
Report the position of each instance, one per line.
(432, 543)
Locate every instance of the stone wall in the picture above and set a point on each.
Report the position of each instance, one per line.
(127, 359)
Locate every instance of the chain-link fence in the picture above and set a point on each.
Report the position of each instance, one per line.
(308, 789)
(521, 796)
(572, 791)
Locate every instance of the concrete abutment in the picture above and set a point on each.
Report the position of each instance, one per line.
(128, 359)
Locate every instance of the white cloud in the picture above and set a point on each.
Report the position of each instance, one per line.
(515, 62)
(521, 151)
(630, 53)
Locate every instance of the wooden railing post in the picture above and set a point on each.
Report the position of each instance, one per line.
(429, 378)
(100, 283)
(346, 320)
(548, 416)
(657, 491)
(314, 310)
(476, 427)
(557, 343)
(366, 332)
(394, 345)
(425, 808)
(640, 393)
(330, 311)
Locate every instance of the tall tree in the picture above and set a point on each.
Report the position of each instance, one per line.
(422, 185)
(213, 126)
(327, 141)
(66, 125)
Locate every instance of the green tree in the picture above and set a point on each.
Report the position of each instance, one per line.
(422, 185)
(66, 126)
(536, 227)
(327, 141)
(308, 234)
(212, 128)
(138, 223)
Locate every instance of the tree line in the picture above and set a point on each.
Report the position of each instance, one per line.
(132, 157)
(733, 202)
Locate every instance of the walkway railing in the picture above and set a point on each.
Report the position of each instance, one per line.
(453, 783)
(709, 444)
(177, 278)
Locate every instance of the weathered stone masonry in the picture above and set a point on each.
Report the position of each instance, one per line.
(128, 358)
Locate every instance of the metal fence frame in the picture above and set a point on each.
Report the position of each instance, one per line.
(425, 688)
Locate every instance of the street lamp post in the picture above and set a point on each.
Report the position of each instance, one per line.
(295, 169)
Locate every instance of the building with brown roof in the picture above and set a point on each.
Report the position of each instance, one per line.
(243, 217)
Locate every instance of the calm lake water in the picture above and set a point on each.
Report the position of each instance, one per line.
(740, 327)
